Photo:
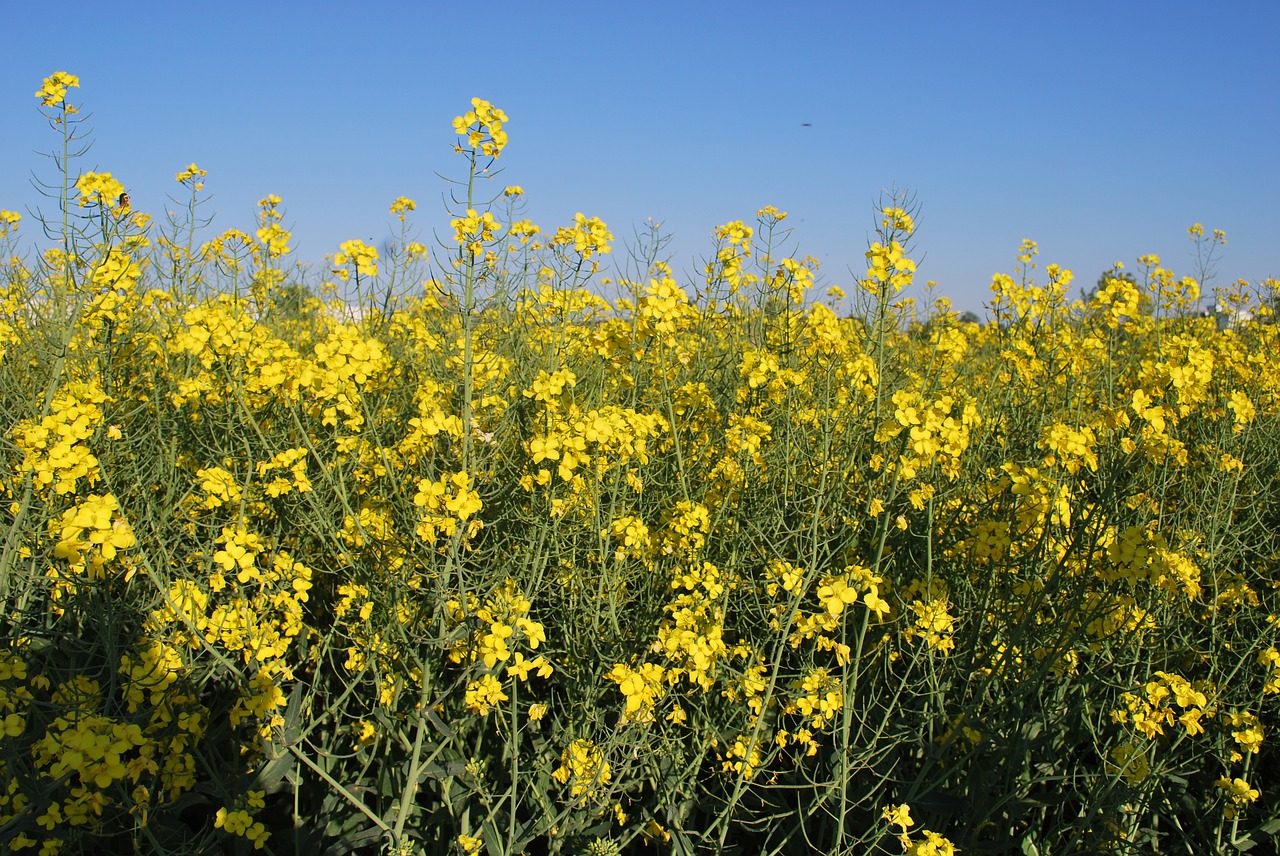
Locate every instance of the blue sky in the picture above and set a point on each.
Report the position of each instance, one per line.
(1100, 130)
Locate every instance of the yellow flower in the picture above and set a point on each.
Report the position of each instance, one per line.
(899, 816)
(275, 238)
(192, 174)
(365, 732)
(1238, 790)
(588, 236)
(1250, 732)
(653, 830)
(54, 90)
(583, 767)
(9, 222)
(99, 188)
(482, 126)
(1271, 659)
(836, 593)
(483, 693)
(933, 623)
(240, 822)
(933, 844)
(1243, 408)
(356, 252)
(401, 205)
(522, 667)
(524, 230)
(474, 230)
(1190, 720)
(888, 266)
(640, 687)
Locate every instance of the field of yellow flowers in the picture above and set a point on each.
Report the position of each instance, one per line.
(477, 561)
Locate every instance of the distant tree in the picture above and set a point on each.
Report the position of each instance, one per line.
(924, 330)
(294, 302)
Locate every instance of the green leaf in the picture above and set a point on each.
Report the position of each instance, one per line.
(354, 841)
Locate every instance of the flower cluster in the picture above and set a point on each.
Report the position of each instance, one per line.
(54, 90)
(100, 188)
(1168, 699)
(359, 254)
(584, 770)
(587, 236)
(642, 688)
(482, 125)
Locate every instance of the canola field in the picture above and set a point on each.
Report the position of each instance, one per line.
(436, 550)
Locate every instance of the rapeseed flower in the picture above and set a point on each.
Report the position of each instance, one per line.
(358, 253)
(482, 125)
(54, 90)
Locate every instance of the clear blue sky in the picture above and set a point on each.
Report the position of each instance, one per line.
(1099, 129)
